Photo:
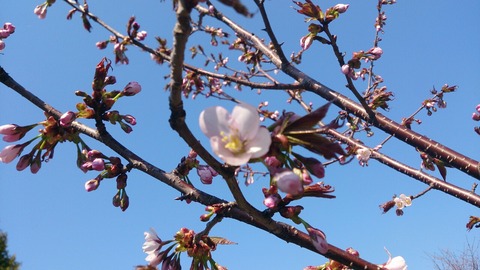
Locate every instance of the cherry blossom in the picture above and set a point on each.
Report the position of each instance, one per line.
(363, 155)
(235, 138)
(395, 263)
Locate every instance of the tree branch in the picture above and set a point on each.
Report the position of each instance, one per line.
(431, 147)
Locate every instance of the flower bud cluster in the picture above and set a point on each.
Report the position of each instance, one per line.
(41, 10)
(188, 163)
(109, 167)
(120, 46)
(98, 104)
(214, 33)
(355, 62)
(314, 12)
(52, 134)
(121, 199)
(8, 29)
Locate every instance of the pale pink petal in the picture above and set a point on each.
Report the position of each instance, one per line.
(214, 120)
(246, 120)
(259, 145)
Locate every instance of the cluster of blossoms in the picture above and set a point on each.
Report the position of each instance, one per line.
(198, 247)
(41, 10)
(120, 47)
(7, 30)
(399, 202)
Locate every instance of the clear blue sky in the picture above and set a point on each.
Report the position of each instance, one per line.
(52, 223)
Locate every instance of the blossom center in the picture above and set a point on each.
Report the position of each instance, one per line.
(233, 142)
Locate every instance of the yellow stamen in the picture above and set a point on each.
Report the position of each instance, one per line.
(233, 143)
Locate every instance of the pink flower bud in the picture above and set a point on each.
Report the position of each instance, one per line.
(476, 117)
(288, 182)
(93, 154)
(9, 129)
(10, 152)
(272, 201)
(130, 119)
(11, 133)
(132, 89)
(2, 45)
(306, 41)
(98, 164)
(211, 9)
(102, 44)
(4, 33)
(353, 252)
(92, 185)
(23, 162)
(67, 118)
(36, 165)
(9, 27)
(376, 53)
(346, 69)
(214, 173)
(341, 8)
(273, 162)
(141, 35)
(41, 11)
(478, 108)
(205, 174)
(319, 240)
(307, 179)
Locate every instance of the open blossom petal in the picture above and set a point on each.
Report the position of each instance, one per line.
(395, 263)
(152, 243)
(235, 138)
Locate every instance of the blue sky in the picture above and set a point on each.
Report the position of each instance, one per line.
(52, 223)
